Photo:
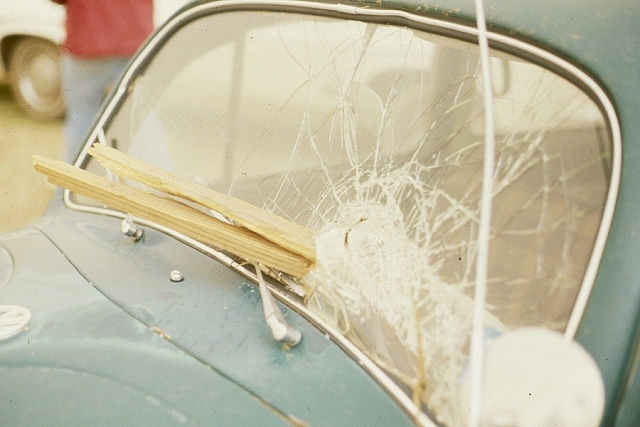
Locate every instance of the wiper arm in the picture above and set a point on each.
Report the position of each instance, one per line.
(280, 330)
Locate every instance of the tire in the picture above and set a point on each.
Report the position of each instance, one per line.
(36, 78)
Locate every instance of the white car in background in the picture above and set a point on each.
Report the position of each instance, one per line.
(30, 32)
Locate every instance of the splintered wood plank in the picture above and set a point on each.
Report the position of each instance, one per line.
(175, 215)
(285, 233)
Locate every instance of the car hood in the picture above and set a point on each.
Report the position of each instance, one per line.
(213, 317)
(84, 361)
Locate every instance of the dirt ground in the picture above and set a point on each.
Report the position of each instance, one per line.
(24, 193)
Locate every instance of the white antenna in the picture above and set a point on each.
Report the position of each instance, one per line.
(477, 336)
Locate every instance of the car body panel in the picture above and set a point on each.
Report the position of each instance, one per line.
(33, 18)
(83, 359)
(33, 70)
(41, 18)
(45, 19)
(627, 414)
(214, 316)
(221, 324)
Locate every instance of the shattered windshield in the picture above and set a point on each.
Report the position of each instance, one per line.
(372, 135)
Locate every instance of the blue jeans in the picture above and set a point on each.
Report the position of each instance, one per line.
(85, 82)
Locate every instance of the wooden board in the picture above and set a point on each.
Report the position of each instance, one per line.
(285, 233)
(173, 214)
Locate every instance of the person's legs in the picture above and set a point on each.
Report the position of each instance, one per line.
(85, 82)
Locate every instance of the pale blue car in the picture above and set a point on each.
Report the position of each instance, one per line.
(277, 219)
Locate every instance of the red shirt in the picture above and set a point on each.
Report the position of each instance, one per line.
(106, 28)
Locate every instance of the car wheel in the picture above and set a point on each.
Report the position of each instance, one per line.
(35, 75)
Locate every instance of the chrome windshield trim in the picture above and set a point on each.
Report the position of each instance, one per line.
(548, 59)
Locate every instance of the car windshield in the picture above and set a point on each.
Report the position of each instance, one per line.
(371, 135)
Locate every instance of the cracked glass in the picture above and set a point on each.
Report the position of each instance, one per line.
(372, 135)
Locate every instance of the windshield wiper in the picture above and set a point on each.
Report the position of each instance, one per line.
(280, 330)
